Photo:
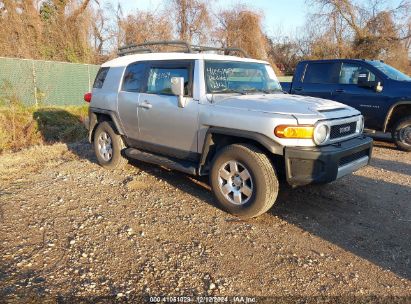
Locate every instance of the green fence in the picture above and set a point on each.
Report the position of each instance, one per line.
(38, 82)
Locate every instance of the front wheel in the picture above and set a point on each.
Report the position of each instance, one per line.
(108, 146)
(402, 134)
(243, 180)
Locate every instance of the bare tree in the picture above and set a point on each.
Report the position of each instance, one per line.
(106, 34)
(284, 52)
(20, 29)
(192, 19)
(241, 27)
(57, 30)
(83, 31)
(145, 26)
(344, 28)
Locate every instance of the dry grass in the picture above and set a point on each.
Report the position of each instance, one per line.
(31, 160)
(22, 127)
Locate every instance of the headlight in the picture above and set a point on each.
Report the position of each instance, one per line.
(301, 132)
(360, 125)
(320, 134)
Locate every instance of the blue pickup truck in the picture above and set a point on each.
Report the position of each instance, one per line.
(379, 91)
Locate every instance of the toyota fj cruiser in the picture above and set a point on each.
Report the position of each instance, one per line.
(223, 116)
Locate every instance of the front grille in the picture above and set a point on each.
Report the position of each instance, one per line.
(353, 157)
(343, 130)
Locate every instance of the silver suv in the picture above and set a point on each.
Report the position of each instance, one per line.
(223, 116)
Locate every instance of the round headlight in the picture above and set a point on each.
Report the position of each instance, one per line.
(362, 124)
(320, 134)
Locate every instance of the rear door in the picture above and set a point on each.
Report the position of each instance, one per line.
(319, 79)
(164, 127)
(128, 98)
(372, 104)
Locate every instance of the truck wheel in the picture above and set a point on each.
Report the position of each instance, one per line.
(108, 146)
(244, 180)
(401, 134)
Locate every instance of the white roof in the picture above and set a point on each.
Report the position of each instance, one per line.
(126, 60)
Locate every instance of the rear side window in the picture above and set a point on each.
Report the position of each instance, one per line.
(159, 79)
(134, 78)
(100, 78)
(321, 73)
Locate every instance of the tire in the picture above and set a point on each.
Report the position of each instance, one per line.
(401, 134)
(108, 146)
(231, 183)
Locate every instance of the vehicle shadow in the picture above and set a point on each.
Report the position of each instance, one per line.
(385, 144)
(16, 283)
(197, 186)
(390, 165)
(57, 125)
(383, 140)
(366, 216)
(370, 218)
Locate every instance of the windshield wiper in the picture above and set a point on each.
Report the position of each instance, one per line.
(242, 92)
(246, 91)
(265, 91)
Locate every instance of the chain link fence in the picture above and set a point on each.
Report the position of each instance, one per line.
(38, 82)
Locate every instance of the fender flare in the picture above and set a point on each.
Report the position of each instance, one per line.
(93, 120)
(391, 110)
(265, 141)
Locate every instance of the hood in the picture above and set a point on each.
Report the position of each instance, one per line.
(295, 105)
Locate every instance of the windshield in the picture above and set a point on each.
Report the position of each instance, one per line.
(390, 71)
(240, 77)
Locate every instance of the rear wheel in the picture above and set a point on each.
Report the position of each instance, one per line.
(243, 180)
(402, 133)
(108, 146)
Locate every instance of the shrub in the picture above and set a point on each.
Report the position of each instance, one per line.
(21, 127)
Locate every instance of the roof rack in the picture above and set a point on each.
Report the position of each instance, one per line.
(187, 48)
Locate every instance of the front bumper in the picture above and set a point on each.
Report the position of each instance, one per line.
(312, 165)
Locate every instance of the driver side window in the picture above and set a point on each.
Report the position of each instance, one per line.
(159, 80)
(349, 73)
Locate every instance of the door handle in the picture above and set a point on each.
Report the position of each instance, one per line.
(298, 89)
(145, 105)
(339, 91)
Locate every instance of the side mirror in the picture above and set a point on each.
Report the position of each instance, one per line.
(379, 87)
(177, 87)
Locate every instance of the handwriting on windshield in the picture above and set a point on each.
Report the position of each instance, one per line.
(218, 77)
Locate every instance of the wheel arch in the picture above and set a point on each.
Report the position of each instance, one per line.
(397, 111)
(97, 116)
(217, 137)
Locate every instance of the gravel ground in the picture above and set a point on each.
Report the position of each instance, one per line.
(72, 230)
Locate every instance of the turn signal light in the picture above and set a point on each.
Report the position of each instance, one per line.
(284, 131)
(87, 97)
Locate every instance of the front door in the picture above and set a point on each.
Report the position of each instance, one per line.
(372, 104)
(165, 127)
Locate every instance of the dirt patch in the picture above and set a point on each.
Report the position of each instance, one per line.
(72, 229)
(137, 185)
